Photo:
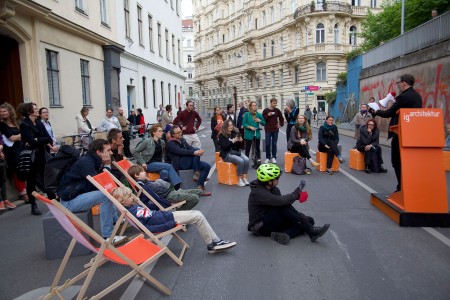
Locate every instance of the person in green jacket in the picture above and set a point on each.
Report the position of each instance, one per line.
(252, 132)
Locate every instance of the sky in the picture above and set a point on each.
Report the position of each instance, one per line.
(186, 7)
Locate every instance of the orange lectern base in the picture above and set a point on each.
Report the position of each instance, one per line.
(408, 219)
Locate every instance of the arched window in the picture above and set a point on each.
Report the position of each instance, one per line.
(352, 39)
(321, 71)
(320, 34)
(336, 34)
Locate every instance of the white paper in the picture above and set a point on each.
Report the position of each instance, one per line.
(374, 106)
(7, 141)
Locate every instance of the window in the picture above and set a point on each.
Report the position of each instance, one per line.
(321, 71)
(264, 19)
(167, 44)
(150, 31)
(162, 93)
(176, 7)
(272, 15)
(190, 75)
(79, 6)
(189, 58)
(306, 37)
(169, 87)
(356, 2)
(320, 34)
(171, 4)
(336, 34)
(273, 77)
(272, 48)
(319, 5)
(139, 15)
(144, 90)
(293, 6)
(373, 3)
(281, 10)
(188, 43)
(173, 49)
(264, 50)
(179, 52)
(154, 92)
(159, 40)
(85, 82)
(256, 23)
(265, 79)
(297, 39)
(281, 45)
(296, 73)
(191, 91)
(352, 38)
(53, 77)
(126, 10)
(103, 14)
(175, 95)
(281, 77)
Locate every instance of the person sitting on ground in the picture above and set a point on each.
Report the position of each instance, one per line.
(183, 156)
(272, 214)
(368, 143)
(300, 136)
(328, 142)
(163, 190)
(77, 194)
(108, 122)
(230, 151)
(150, 153)
(159, 221)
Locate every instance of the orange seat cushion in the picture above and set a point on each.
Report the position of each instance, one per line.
(356, 160)
(321, 157)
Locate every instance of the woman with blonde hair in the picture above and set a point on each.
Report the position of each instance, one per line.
(300, 136)
(252, 132)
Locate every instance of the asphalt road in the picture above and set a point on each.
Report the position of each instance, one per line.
(364, 255)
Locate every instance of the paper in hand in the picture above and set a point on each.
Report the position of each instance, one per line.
(374, 106)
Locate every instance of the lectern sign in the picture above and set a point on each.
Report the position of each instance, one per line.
(422, 127)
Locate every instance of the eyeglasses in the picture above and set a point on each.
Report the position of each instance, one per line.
(159, 130)
(177, 132)
(370, 124)
(398, 82)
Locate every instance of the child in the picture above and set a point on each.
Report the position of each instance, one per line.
(3, 196)
(159, 221)
(162, 189)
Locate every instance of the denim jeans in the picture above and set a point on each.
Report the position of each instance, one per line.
(271, 139)
(166, 172)
(242, 163)
(86, 201)
(194, 163)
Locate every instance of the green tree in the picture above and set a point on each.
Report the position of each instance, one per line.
(386, 25)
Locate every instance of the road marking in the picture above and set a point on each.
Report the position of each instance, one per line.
(437, 235)
(341, 245)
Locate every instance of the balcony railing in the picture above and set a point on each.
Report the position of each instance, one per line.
(327, 6)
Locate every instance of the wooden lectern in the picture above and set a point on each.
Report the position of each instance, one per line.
(422, 201)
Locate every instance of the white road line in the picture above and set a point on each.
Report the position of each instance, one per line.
(437, 235)
(282, 132)
(341, 245)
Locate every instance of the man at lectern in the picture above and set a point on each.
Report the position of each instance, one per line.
(408, 98)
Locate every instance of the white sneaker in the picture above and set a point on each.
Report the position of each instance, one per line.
(266, 161)
(274, 161)
(118, 239)
(246, 182)
(241, 182)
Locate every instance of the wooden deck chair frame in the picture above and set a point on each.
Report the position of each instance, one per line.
(135, 222)
(139, 189)
(138, 253)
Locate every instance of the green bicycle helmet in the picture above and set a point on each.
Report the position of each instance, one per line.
(267, 172)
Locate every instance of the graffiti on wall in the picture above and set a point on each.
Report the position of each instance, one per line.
(432, 83)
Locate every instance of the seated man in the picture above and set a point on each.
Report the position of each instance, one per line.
(272, 214)
(78, 194)
(185, 157)
(159, 221)
(163, 190)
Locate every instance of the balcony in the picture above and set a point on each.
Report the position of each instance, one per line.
(250, 36)
(334, 7)
(219, 76)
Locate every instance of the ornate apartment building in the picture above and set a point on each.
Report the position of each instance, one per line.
(188, 57)
(273, 48)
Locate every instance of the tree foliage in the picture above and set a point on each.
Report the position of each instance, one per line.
(386, 25)
(330, 97)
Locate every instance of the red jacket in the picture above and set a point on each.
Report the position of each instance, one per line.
(274, 120)
(187, 118)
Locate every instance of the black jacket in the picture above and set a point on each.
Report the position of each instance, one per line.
(261, 199)
(226, 145)
(409, 98)
(327, 135)
(366, 138)
(176, 148)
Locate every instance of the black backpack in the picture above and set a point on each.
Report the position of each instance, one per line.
(58, 165)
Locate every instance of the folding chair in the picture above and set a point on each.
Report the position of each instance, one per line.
(123, 167)
(138, 253)
(105, 182)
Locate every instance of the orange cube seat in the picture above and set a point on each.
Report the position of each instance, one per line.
(226, 173)
(447, 160)
(289, 160)
(356, 160)
(321, 157)
(218, 158)
(153, 176)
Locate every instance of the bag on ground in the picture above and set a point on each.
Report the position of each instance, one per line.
(298, 165)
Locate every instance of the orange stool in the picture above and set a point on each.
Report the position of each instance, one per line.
(321, 157)
(289, 160)
(218, 158)
(447, 160)
(226, 173)
(153, 176)
(356, 160)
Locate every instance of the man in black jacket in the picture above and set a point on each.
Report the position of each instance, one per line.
(408, 98)
(272, 214)
(78, 194)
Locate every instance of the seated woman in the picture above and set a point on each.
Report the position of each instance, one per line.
(368, 143)
(328, 142)
(149, 153)
(230, 151)
(300, 136)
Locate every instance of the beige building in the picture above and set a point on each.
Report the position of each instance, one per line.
(273, 48)
(188, 58)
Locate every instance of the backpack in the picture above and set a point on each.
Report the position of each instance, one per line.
(299, 165)
(58, 165)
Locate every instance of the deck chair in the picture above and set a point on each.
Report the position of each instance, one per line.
(105, 182)
(123, 167)
(137, 253)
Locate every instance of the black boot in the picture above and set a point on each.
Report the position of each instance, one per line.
(35, 210)
(316, 232)
(368, 171)
(280, 237)
(382, 170)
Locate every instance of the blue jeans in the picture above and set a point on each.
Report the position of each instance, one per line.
(86, 201)
(271, 139)
(194, 163)
(166, 172)
(242, 163)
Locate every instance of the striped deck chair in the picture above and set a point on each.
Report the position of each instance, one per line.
(137, 253)
(123, 167)
(105, 182)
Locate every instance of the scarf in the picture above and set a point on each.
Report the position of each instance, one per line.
(328, 127)
(301, 128)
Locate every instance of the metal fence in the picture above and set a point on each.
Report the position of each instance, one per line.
(425, 35)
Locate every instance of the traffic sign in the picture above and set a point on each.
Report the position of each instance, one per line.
(310, 94)
(306, 88)
(314, 88)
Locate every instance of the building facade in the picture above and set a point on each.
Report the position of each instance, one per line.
(270, 48)
(188, 57)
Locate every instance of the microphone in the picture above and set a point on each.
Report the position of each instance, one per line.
(391, 96)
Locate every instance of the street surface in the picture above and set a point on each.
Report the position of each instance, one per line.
(364, 255)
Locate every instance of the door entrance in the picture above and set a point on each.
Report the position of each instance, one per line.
(10, 72)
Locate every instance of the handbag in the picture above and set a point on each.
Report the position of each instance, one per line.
(26, 160)
(298, 165)
(218, 126)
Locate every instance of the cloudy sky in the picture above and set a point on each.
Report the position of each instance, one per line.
(186, 7)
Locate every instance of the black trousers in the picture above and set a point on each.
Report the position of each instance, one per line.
(126, 143)
(248, 146)
(368, 159)
(288, 131)
(285, 219)
(395, 159)
(303, 150)
(332, 151)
